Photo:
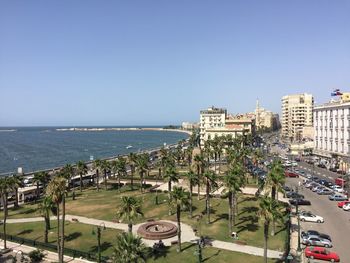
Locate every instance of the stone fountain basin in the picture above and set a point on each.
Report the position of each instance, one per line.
(157, 230)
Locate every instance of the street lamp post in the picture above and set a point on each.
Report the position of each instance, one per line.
(298, 215)
(99, 228)
(200, 239)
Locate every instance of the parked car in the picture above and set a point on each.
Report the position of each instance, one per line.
(325, 191)
(316, 241)
(321, 253)
(338, 188)
(346, 207)
(321, 165)
(294, 195)
(299, 202)
(315, 233)
(337, 197)
(289, 173)
(342, 203)
(309, 217)
(316, 188)
(340, 181)
(328, 184)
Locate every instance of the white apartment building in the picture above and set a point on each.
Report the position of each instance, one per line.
(296, 113)
(332, 128)
(215, 122)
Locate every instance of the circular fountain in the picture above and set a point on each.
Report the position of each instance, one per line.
(157, 230)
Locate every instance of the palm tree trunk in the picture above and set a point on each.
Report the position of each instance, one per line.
(132, 178)
(130, 227)
(4, 203)
(233, 197)
(199, 185)
(98, 180)
(58, 231)
(119, 181)
(208, 202)
(273, 192)
(46, 232)
(230, 226)
(37, 191)
(141, 181)
(105, 178)
(178, 216)
(16, 197)
(266, 234)
(62, 227)
(191, 208)
(81, 183)
(236, 205)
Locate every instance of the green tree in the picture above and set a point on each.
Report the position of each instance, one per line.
(129, 249)
(192, 180)
(232, 185)
(269, 210)
(129, 210)
(96, 165)
(5, 189)
(210, 179)
(68, 172)
(179, 200)
(120, 168)
(38, 179)
(105, 167)
(132, 157)
(56, 190)
(16, 182)
(142, 163)
(45, 207)
(200, 164)
(275, 178)
(82, 170)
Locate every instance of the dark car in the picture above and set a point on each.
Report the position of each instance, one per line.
(322, 181)
(314, 178)
(294, 195)
(315, 233)
(287, 188)
(328, 184)
(321, 165)
(299, 202)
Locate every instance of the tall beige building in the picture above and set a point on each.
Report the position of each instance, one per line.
(296, 113)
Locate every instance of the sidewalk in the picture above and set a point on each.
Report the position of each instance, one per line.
(187, 235)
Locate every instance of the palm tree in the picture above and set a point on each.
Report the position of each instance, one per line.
(199, 161)
(142, 162)
(210, 182)
(188, 153)
(39, 178)
(56, 190)
(179, 199)
(132, 163)
(82, 169)
(129, 210)
(120, 168)
(129, 249)
(232, 185)
(171, 175)
(45, 207)
(275, 178)
(269, 211)
(68, 173)
(193, 180)
(5, 188)
(105, 166)
(16, 182)
(96, 165)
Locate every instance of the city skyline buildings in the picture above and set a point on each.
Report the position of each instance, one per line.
(87, 63)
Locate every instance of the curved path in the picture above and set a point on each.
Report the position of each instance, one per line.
(187, 234)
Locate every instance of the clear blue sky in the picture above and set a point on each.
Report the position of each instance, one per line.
(160, 62)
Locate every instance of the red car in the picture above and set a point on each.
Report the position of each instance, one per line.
(321, 253)
(342, 203)
(289, 173)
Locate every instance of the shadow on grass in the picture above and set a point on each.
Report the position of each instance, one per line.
(24, 232)
(214, 255)
(73, 236)
(281, 230)
(159, 253)
(188, 246)
(104, 246)
(220, 217)
(252, 226)
(247, 199)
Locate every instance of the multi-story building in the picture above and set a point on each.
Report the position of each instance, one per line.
(265, 118)
(332, 128)
(215, 122)
(296, 113)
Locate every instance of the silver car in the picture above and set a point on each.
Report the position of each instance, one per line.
(312, 240)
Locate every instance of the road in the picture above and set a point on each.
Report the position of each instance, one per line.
(337, 223)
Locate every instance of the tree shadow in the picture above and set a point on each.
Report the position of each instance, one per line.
(247, 199)
(158, 253)
(281, 230)
(27, 231)
(220, 217)
(72, 236)
(252, 226)
(214, 255)
(188, 246)
(104, 246)
(30, 211)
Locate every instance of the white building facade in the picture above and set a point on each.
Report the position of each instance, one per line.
(332, 129)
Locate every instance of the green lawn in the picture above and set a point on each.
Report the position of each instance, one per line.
(78, 236)
(103, 205)
(210, 255)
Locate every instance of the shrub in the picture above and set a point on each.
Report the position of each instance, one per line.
(36, 256)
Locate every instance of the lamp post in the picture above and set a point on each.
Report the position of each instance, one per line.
(99, 228)
(298, 215)
(200, 242)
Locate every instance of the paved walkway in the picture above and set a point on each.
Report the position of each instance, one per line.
(187, 235)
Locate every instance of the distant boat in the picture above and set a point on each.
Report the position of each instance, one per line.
(128, 147)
